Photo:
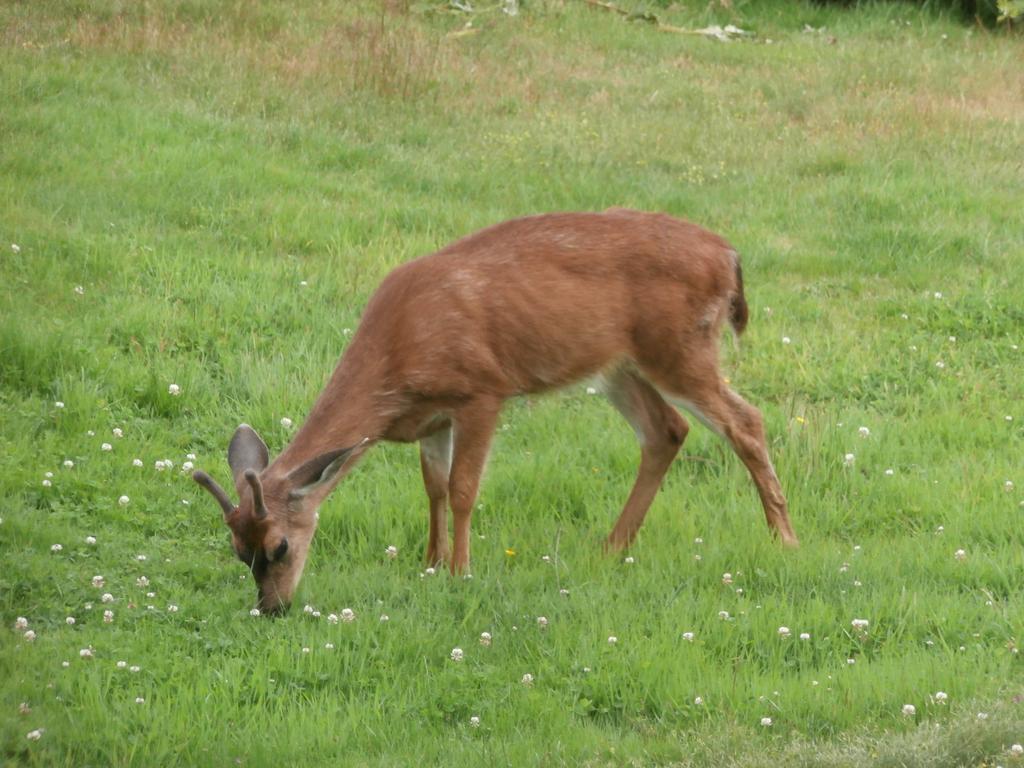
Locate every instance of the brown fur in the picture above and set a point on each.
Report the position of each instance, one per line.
(524, 306)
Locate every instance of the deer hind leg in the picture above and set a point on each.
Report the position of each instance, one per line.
(741, 424)
(435, 462)
(661, 432)
(474, 426)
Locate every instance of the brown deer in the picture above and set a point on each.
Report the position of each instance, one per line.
(521, 307)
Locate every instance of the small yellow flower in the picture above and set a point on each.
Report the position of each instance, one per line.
(510, 552)
(801, 420)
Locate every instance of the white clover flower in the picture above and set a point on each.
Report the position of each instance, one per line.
(851, 662)
(960, 555)
(69, 464)
(35, 735)
(139, 700)
(107, 598)
(348, 615)
(629, 560)
(864, 432)
(329, 646)
(56, 548)
(591, 390)
(159, 465)
(723, 615)
(307, 608)
(805, 635)
(286, 422)
(766, 722)
(937, 294)
(21, 623)
(983, 715)
(391, 551)
(688, 637)
(698, 701)
(117, 432)
(697, 557)
(542, 622)
(141, 558)
(254, 612)
(90, 539)
(48, 475)
(15, 248)
(79, 290)
(136, 462)
(563, 592)
(172, 608)
(70, 621)
(940, 529)
(939, 364)
(85, 653)
(941, 697)
(188, 466)
(786, 340)
(430, 571)
(134, 668)
(142, 581)
(889, 473)
(474, 722)
(174, 389)
(485, 638)
(332, 618)
(848, 459)
(316, 614)
(727, 578)
(88, 606)
(1008, 486)
(1017, 749)
(29, 636)
(527, 679)
(784, 632)
(121, 665)
(58, 404)
(384, 618)
(861, 625)
(106, 447)
(457, 654)
(306, 650)
(612, 640)
(909, 710)
(108, 617)
(123, 501)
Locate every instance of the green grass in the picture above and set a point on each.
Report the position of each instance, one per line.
(189, 164)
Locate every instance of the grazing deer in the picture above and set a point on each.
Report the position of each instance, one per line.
(525, 306)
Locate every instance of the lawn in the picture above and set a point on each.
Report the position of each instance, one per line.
(204, 194)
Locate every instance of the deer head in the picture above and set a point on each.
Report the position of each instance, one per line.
(273, 523)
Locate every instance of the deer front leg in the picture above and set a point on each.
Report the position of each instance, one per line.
(436, 462)
(474, 426)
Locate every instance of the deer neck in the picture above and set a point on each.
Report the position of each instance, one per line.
(350, 409)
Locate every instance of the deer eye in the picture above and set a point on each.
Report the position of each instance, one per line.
(281, 551)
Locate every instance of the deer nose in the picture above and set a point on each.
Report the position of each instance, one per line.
(269, 606)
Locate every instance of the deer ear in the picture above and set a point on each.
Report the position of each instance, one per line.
(247, 451)
(320, 471)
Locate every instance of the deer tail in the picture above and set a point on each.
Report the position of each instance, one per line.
(739, 312)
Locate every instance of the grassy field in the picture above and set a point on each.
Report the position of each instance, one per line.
(205, 194)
